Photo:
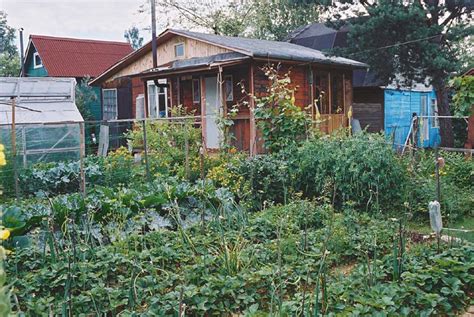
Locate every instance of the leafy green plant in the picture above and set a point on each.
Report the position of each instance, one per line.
(281, 122)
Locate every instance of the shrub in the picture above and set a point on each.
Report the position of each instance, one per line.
(167, 147)
(362, 170)
(268, 179)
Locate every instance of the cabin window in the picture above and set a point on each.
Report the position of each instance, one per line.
(321, 83)
(196, 91)
(109, 101)
(37, 60)
(424, 118)
(157, 99)
(179, 50)
(229, 88)
(337, 93)
(434, 112)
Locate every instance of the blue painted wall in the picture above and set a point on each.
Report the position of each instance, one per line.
(30, 70)
(399, 107)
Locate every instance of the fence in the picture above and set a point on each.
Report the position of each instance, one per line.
(79, 151)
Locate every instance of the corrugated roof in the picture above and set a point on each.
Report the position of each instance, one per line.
(200, 61)
(68, 57)
(40, 100)
(270, 49)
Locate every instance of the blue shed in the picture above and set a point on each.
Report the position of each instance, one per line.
(400, 105)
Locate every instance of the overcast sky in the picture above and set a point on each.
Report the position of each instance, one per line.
(90, 19)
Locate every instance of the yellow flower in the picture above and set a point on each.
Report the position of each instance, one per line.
(2, 148)
(3, 162)
(4, 234)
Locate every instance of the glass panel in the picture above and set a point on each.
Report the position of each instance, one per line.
(196, 91)
(110, 103)
(179, 50)
(434, 112)
(152, 103)
(229, 91)
(321, 82)
(337, 94)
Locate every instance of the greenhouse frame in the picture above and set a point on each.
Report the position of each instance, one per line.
(47, 123)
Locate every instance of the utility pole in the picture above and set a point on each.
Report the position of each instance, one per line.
(153, 33)
(22, 58)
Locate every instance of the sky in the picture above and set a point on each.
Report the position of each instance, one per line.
(90, 19)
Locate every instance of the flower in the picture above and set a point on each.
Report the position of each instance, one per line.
(4, 234)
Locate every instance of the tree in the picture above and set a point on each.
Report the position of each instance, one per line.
(411, 41)
(85, 96)
(275, 19)
(264, 19)
(9, 59)
(132, 35)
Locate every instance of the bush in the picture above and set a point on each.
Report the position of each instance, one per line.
(362, 170)
(267, 178)
(167, 147)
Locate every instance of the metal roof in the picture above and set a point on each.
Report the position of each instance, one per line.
(270, 49)
(200, 61)
(38, 100)
(69, 57)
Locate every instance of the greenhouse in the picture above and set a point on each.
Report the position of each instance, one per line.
(44, 116)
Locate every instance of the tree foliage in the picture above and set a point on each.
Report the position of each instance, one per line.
(9, 59)
(85, 96)
(132, 35)
(463, 99)
(265, 19)
(411, 41)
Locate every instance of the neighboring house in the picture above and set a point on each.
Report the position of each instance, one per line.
(377, 105)
(48, 56)
(205, 73)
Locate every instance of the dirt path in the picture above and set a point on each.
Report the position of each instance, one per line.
(469, 313)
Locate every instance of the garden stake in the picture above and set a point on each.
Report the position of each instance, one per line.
(145, 146)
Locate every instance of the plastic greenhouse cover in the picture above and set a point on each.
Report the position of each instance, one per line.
(38, 100)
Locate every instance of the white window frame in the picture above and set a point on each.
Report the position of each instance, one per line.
(36, 54)
(424, 111)
(434, 110)
(184, 50)
(157, 99)
(116, 102)
(230, 78)
(199, 90)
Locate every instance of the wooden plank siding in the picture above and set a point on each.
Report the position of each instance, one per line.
(369, 108)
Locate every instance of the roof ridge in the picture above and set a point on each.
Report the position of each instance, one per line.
(60, 38)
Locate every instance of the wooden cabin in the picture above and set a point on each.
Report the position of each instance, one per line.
(205, 74)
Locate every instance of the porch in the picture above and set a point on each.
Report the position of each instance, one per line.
(213, 87)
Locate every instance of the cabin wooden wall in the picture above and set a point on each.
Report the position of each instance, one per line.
(368, 108)
(165, 52)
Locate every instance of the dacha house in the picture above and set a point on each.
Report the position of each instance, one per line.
(205, 72)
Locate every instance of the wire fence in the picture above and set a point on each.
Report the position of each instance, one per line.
(64, 157)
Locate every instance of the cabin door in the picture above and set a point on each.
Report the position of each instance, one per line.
(212, 113)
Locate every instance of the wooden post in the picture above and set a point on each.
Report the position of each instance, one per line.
(186, 149)
(81, 156)
(253, 127)
(145, 146)
(178, 87)
(203, 112)
(15, 171)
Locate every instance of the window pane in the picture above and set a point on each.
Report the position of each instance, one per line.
(179, 50)
(229, 91)
(196, 91)
(152, 104)
(109, 104)
(337, 94)
(321, 81)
